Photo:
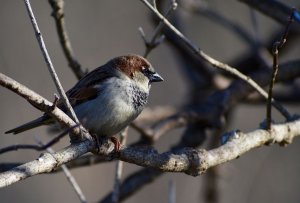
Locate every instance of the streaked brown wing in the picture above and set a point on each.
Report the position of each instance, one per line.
(85, 89)
(81, 95)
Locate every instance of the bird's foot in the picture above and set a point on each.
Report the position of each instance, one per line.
(116, 143)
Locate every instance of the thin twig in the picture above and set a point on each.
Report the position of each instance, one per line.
(119, 170)
(49, 64)
(155, 41)
(278, 10)
(37, 147)
(172, 192)
(20, 146)
(59, 17)
(215, 62)
(67, 172)
(74, 184)
(277, 46)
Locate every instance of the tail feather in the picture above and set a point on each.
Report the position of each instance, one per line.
(27, 126)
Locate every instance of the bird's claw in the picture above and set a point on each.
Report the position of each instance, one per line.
(116, 143)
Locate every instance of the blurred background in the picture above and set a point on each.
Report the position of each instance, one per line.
(101, 30)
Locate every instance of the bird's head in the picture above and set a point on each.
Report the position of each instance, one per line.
(138, 69)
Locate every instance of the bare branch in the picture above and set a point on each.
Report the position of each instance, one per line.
(68, 174)
(172, 192)
(215, 62)
(155, 39)
(59, 17)
(84, 161)
(49, 64)
(119, 170)
(74, 183)
(212, 111)
(274, 9)
(41, 103)
(45, 163)
(196, 161)
(277, 45)
(36, 147)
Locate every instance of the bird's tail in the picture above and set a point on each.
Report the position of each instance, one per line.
(27, 126)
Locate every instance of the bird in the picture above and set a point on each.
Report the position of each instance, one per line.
(107, 99)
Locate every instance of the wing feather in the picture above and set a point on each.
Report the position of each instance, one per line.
(87, 88)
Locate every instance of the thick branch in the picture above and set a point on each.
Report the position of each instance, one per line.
(195, 162)
(45, 163)
(39, 102)
(190, 161)
(84, 161)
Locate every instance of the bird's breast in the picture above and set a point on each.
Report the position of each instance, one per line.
(139, 98)
(116, 106)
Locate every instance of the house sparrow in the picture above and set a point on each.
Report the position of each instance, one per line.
(108, 98)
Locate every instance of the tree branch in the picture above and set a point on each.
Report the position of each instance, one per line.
(211, 112)
(45, 163)
(48, 61)
(215, 62)
(276, 47)
(119, 169)
(274, 9)
(39, 102)
(190, 161)
(59, 17)
(196, 161)
(68, 175)
(155, 41)
(35, 147)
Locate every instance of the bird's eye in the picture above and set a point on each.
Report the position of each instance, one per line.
(144, 68)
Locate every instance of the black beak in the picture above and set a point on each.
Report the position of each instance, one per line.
(155, 78)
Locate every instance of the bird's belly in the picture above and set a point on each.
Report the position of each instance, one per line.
(106, 117)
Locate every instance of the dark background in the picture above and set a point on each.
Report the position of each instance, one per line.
(100, 30)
